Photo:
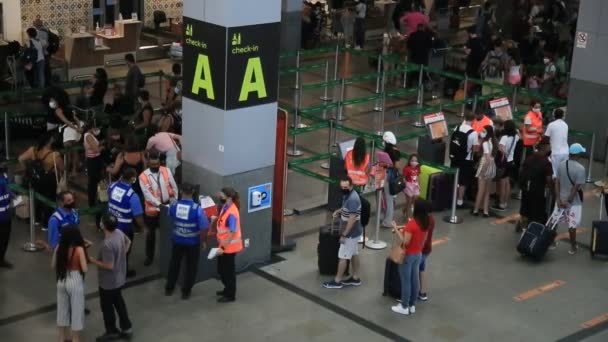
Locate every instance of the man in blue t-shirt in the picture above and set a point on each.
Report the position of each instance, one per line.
(64, 215)
(350, 215)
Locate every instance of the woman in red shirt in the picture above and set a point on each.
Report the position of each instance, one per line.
(412, 238)
(412, 188)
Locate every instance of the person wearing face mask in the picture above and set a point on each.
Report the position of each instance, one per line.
(65, 215)
(99, 88)
(144, 117)
(549, 76)
(94, 163)
(125, 205)
(481, 120)
(533, 128)
(486, 171)
(412, 186)
(159, 188)
(57, 100)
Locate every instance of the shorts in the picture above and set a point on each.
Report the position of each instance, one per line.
(573, 216)
(422, 267)
(349, 248)
(412, 189)
(467, 173)
(556, 161)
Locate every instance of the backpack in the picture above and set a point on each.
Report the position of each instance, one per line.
(459, 144)
(29, 54)
(35, 171)
(366, 211)
(396, 182)
(52, 43)
(494, 67)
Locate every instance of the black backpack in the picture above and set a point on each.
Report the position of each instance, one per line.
(366, 211)
(53, 43)
(396, 182)
(494, 67)
(29, 54)
(35, 171)
(459, 146)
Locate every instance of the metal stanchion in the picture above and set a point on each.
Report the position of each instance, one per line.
(420, 98)
(6, 137)
(341, 106)
(404, 85)
(514, 99)
(297, 85)
(475, 104)
(379, 76)
(379, 104)
(325, 96)
(376, 243)
(466, 89)
(294, 152)
(383, 107)
(453, 218)
(336, 61)
(325, 165)
(590, 165)
(30, 246)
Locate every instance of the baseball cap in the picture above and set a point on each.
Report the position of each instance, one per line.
(389, 138)
(577, 149)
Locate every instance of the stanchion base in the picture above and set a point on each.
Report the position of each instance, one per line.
(288, 212)
(325, 166)
(517, 195)
(325, 98)
(377, 245)
(589, 180)
(295, 153)
(302, 125)
(377, 109)
(30, 247)
(460, 115)
(452, 219)
(418, 124)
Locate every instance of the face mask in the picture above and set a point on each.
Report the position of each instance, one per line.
(176, 91)
(546, 60)
(483, 135)
(53, 104)
(70, 205)
(96, 132)
(414, 163)
(154, 169)
(536, 110)
(346, 192)
(222, 201)
(178, 112)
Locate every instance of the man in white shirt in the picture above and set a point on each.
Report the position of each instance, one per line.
(467, 168)
(557, 131)
(38, 67)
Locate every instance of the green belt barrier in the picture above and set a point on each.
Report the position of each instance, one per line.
(420, 111)
(400, 71)
(401, 92)
(360, 52)
(445, 73)
(362, 100)
(308, 129)
(319, 108)
(323, 156)
(356, 132)
(312, 174)
(302, 68)
(86, 211)
(318, 51)
(322, 85)
(361, 78)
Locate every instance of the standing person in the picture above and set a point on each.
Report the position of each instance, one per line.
(350, 215)
(159, 188)
(486, 171)
(94, 163)
(111, 263)
(360, 14)
(143, 119)
(515, 67)
(494, 67)
(481, 120)
(535, 181)
(126, 206)
(167, 143)
(413, 19)
(71, 138)
(38, 67)
(70, 264)
(189, 232)
(420, 44)
(348, 23)
(533, 127)
(464, 143)
(135, 79)
(5, 216)
(549, 83)
(390, 142)
(230, 243)
(506, 146)
(426, 251)
(412, 186)
(174, 88)
(475, 53)
(65, 215)
(99, 88)
(59, 103)
(356, 164)
(557, 131)
(568, 189)
(412, 239)
(133, 157)
(43, 35)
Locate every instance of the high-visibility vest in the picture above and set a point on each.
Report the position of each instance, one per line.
(478, 125)
(229, 244)
(186, 229)
(357, 173)
(150, 208)
(532, 138)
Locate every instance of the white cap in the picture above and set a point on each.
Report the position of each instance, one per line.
(389, 138)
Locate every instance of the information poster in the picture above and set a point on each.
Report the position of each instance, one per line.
(437, 126)
(502, 108)
(259, 197)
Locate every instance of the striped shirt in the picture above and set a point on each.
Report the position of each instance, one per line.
(351, 205)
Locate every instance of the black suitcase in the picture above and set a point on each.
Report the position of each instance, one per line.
(327, 249)
(599, 238)
(535, 241)
(392, 281)
(441, 186)
(431, 151)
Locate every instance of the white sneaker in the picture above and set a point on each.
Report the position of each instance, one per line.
(400, 309)
(412, 309)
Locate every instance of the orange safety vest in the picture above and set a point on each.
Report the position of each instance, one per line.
(478, 125)
(232, 244)
(532, 138)
(150, 208)
(357, 173)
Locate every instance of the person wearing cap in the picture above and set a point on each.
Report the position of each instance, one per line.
(390, 142)
(568, 189)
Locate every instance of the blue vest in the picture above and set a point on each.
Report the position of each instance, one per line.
(65, 219)
(119, 205)
(5, 199)
(186, 230)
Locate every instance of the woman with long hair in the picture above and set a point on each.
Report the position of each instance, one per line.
(70, 264)
(390, 147)
(229, 241)
(506, 146)
(412, 238)
(132, 156)
(356, 163)
(94, 163)
(486, 171)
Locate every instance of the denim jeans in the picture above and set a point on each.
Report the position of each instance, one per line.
(389, 212)
(410, 279)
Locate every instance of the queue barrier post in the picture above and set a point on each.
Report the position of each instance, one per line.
(605, 159)
(325, 96)
(340, 116)
(297, 83)
(475, 99)
(6, 137)
(336, 61)
(30, 246)
(404, 85)
(466, 89)
(383, 106)
(420, 121)
(294, 152)
(376, 243)
(378, 71)
(591, 156)
(453, 218)
(379, 104)
(331, 130)
(514, 99)
(420, 98)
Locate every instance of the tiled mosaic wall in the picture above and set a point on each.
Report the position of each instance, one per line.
(57, 14)
(173, 9)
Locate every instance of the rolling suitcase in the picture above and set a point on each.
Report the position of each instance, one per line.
(599, 234)
(327, 249)
(392, 282)
(424, 179)
(440, 189)
(535, 240)
(431, 150)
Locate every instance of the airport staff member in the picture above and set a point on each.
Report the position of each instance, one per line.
(158, 187)
(356, 163)
(5, 216)
(189, 230)
(64, 215)
(481, 121)
(533, 128)
(229, 243)
(125, 205)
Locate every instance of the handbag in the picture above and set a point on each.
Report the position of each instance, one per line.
(397, 254)
(502, 164)
(102, 190)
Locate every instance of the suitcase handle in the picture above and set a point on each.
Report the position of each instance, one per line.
(553, 220)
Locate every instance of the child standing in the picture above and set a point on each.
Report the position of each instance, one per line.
(412, 187)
